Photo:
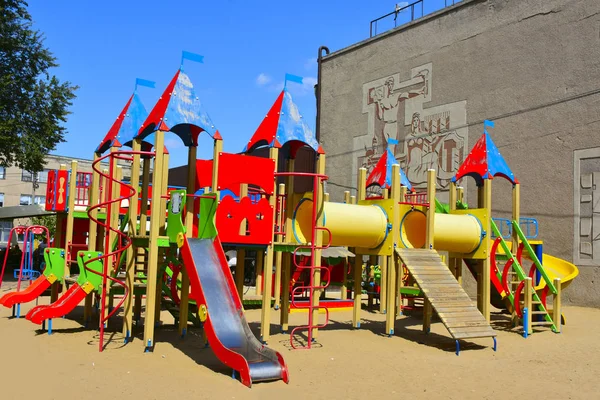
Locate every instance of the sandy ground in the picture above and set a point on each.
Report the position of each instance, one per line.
(346, 364)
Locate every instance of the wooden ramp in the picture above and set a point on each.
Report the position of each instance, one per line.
(458, 312)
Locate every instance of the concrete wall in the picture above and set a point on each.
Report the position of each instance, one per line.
(532, 66)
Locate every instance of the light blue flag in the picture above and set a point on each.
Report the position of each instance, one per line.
(292, 78)
(186, 55)
(144, 82)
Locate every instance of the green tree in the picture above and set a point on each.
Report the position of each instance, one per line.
(49, 221)
(33, 102)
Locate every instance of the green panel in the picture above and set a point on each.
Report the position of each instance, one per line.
(175, 210)
(163, 241)
(411, 290)
(206, 223)
(55, 262)
(87, 276)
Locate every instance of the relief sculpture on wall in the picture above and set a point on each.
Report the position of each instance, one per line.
(428, 137)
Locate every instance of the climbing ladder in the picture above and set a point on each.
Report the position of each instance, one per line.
(513, 270)
(454, 307)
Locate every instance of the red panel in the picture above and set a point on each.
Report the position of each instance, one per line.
(156, 116)
(378, 174)
(267, 130)
(476, 162)
(235, 169)
(204, 170)
(62, 183)
(51, 190)
(230, 215)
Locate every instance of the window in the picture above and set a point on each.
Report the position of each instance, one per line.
(25, 200)
(39, 200)
(27, 176)
(5, 227)
(2, 173)
(1, 199)
(43, 176)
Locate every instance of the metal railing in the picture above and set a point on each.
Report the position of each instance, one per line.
(414, 8)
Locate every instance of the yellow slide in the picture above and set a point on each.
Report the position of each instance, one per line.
(558, 268)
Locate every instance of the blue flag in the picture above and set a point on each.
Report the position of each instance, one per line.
(292, 78)
(488, 123)
(392, 141)
(186, 55)
(144, 82)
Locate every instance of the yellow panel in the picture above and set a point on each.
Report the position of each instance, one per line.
(387, 247)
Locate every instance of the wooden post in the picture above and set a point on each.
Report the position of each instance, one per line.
(344, 287)
(260, 261)
(483, 284)
(516, 215)
(287, 261)
(189, 227)
(144, 201)
(431, 186)
(153, 253)
(114, 223)
(241, 252)
(93, 199)
(556, 306)
(361, 188)
(454, 264)
(162, 222)
(132, 251)
(320, 198)
(400, 271)
(70, 218)
(527, 305)
(392, 290)
(278, 255)
(384, 272)
(265, 316)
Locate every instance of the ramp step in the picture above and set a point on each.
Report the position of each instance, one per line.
(453, 305)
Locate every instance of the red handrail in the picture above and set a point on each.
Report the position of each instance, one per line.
(312, 287)
(122, 246)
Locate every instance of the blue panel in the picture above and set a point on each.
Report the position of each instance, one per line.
(292, 125)
(135, 116)
(391, 160)
(185, 112)
(496, 163)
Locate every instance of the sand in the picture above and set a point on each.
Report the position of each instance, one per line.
(346, 364)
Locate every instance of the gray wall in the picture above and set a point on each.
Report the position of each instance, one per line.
(532, 66)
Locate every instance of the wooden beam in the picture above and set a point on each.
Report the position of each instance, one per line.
(189, 227)
(361, 192)
(153, 254)
(278, 255)
(265, 317)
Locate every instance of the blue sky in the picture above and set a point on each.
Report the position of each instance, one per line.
(103, 46)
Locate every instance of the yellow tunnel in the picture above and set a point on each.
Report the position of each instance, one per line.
(367, 226)
(350, 224)
(454, 233)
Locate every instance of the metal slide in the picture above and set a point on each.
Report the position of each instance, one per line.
(226, 328)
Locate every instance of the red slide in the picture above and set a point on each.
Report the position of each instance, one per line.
(226, 328)
(34, 290)
(66, 303)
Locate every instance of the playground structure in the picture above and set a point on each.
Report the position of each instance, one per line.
(154, 246)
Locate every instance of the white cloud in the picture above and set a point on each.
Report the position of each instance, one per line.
(262, 79)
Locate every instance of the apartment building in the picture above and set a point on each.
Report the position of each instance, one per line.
(21, 188)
